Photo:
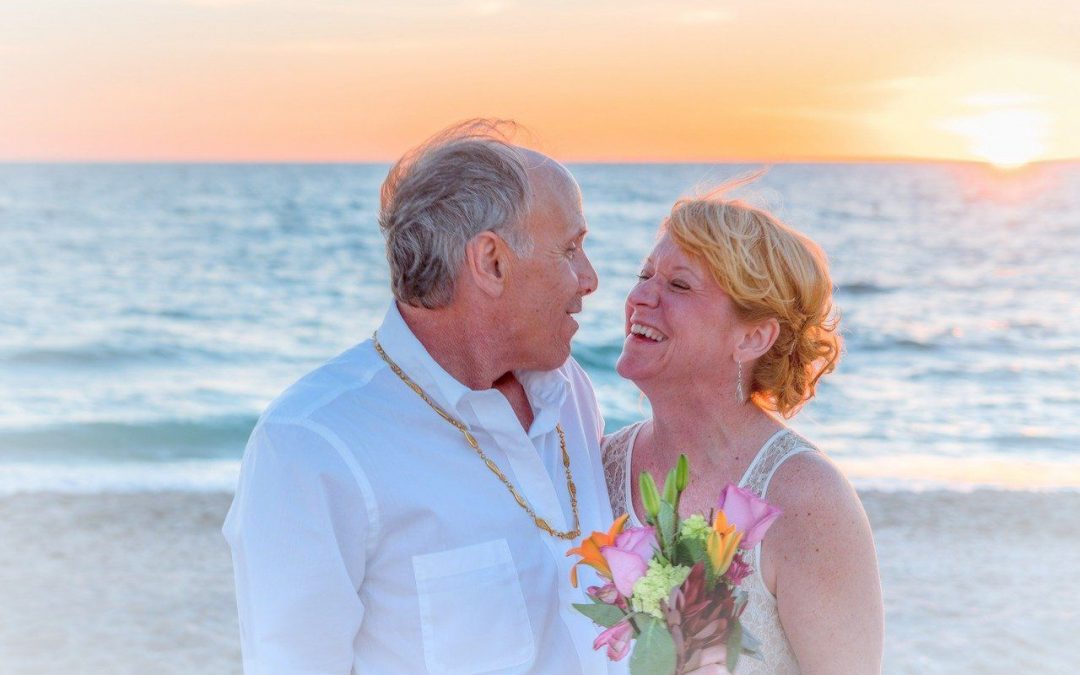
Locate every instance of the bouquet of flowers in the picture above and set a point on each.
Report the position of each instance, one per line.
(673, 585)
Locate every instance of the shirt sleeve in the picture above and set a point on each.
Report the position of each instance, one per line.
(298, 528)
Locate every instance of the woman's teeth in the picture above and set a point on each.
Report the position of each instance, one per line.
(645, 331)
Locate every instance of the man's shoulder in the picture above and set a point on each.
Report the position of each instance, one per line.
(348, 373)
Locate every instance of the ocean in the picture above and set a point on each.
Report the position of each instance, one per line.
(150, 312)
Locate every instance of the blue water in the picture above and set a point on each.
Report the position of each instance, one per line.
(149, 312)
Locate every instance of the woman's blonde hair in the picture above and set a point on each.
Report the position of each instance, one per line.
(770, 271)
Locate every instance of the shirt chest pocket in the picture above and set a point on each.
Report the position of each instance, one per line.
(472, 611)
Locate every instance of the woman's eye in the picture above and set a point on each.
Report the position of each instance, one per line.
(642, 276)
(681, 285)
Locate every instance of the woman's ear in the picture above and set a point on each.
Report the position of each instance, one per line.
(757, 340)
(487, 262)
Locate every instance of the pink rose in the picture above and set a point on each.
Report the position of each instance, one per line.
(750, 514)
(629, 558)
(617, 639)
(639, 540)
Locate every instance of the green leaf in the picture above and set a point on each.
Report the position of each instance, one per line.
(751, 646)
(603, 614)
(734, 645)
(667, 523)
(671, 495)
(654, 651)
(690, 552)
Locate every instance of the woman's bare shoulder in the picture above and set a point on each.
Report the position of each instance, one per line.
(825, 568)
(819, 502)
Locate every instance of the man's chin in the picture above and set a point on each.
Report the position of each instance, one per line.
(555, 360)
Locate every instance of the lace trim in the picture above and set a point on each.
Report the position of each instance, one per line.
(614, 450)
(761, 617)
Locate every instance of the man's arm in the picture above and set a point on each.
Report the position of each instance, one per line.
(298, 529)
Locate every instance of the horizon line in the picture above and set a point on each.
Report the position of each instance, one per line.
(897, 159)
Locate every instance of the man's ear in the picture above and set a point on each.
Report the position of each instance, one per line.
(757, 340)
(487, 262)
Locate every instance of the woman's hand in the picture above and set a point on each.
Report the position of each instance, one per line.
(709, 661)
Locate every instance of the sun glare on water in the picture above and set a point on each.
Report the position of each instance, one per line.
(1008, 132)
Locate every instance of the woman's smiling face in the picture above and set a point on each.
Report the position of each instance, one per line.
(679, 322)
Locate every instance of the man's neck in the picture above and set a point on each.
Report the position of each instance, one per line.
(459, 344)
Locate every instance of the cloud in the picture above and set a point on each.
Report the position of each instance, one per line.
(705, 15)
(487, 7)
(1002, 99)
(381, 46)
(216, 3)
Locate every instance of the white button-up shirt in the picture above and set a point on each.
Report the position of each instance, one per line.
(368, 537)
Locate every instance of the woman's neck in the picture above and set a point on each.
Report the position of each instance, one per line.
(710, 430)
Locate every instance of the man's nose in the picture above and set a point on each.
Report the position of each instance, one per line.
(587, 279)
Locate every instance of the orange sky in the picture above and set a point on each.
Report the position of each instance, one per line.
(344, 80)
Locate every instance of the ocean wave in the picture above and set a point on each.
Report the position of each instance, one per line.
(868, 342)
(102, 354)
(862, 288)
(143, 441)
(996, 341)
(90, 355)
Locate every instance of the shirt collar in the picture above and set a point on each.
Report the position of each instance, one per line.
(401, 345)
(546, 390)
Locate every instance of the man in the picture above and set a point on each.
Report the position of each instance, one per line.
(407, 507)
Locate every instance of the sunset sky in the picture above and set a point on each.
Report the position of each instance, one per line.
(611, 80)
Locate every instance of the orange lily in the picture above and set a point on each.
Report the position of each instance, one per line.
(590, 550)
(722, 543)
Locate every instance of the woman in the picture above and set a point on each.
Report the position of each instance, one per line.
(728, 330)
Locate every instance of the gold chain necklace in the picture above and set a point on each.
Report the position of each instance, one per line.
(570, 487)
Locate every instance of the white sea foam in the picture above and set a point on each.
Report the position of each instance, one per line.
(914, 474)
(184, 476)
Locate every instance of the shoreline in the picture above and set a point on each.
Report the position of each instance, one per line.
(974, 581)
(916, 474)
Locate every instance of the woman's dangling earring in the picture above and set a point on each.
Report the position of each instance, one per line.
(740, 395)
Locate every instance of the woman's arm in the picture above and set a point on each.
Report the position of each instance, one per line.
(822, 555)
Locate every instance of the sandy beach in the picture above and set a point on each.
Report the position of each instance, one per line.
(975, 582)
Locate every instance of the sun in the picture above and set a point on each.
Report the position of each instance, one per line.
(1004, 134)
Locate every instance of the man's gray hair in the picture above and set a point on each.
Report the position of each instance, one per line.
(466, 180)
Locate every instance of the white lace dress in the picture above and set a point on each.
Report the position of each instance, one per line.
(760, 616)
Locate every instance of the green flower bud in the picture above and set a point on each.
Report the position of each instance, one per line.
(682, 473)
(650, 498)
